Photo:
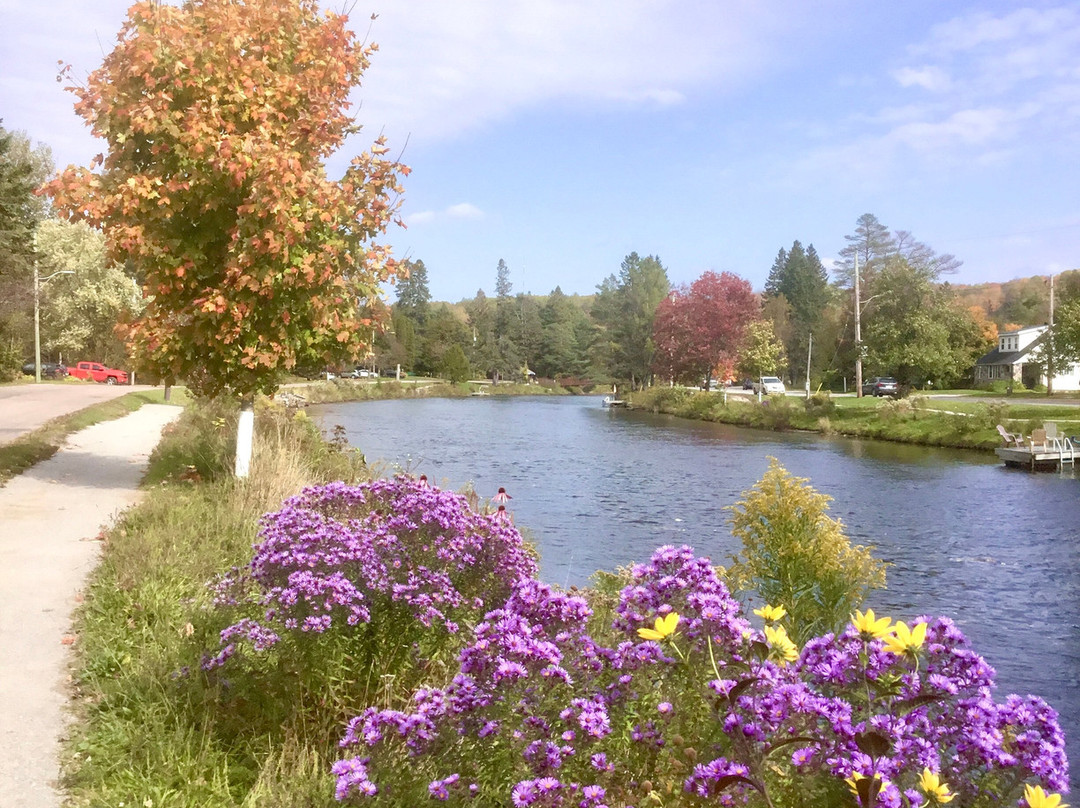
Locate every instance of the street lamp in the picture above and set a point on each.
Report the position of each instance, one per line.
(38, 281)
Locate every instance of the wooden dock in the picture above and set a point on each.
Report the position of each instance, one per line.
(1052, 455)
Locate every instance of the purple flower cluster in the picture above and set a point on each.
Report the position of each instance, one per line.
(390, 550)
(554, 707)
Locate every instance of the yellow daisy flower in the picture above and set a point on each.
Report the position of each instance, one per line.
(870, 626)
(934, 788)
(780, 642)
(904, 640)
(771, 613)
(1035, 797)
(664, 627)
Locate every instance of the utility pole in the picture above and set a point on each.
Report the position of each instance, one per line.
(809, 352)
(858, 333)
(1050, 345)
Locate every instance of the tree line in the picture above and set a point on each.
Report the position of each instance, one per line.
(638, 329)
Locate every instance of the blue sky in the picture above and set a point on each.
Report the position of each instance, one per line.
(560, 135)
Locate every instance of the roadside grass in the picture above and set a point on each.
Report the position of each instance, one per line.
(41, 444)
(152, 727)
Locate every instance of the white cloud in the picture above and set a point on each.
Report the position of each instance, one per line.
(464, 210)
(447, 68)
(979, 90)
(929, 78)
(460, 211)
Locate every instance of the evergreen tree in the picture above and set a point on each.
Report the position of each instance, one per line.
(503, 287)
(454, 367)
(561, 351)
(625, 309)
(871, 243)
(413, 295)
(799, 277)
(444, 330)
(22, 169)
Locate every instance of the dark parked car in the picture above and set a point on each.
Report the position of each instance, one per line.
(881, 386)
(49, 370)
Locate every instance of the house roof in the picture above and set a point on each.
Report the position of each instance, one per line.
(998, 357)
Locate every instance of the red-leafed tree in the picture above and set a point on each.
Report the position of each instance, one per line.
(218, 117)
(700, 328)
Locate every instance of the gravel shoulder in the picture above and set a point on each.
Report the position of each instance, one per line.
(49, 518)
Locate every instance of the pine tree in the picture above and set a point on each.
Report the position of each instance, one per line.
(413, 295)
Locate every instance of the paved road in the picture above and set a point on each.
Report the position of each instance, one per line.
(49, 517)
(25, 407)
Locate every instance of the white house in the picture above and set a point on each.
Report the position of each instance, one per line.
(1012, 360)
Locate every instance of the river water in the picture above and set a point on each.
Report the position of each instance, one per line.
(997, 550)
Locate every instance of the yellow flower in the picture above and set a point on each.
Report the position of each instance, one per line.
(1035, 797)
(780, 642)
(869, 790)
(904, 640)
(664, 627)
(771, 613)
(870, 626)
(934, 788)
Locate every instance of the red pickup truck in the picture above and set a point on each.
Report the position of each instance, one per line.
(97, 372)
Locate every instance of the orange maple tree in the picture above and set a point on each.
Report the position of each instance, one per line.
(219, 116)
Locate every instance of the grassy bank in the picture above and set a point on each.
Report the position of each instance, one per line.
(41, 444)
(916, 420)
(152, 730)
(580, 678)
(340, 390)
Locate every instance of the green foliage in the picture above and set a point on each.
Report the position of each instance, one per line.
(777, 412)
(80, 311)
(762, 353)
(218, 119)
(795, 556)
(455, 367)
(624, 311)
(820, 404)
(413, 294)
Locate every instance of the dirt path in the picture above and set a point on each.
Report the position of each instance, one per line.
(49, 517)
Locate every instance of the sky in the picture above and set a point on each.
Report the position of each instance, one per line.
(562, 135)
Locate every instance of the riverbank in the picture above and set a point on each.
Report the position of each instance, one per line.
(159, 727)
(344, 390)
(917, 420)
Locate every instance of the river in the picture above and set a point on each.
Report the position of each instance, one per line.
(997, 550)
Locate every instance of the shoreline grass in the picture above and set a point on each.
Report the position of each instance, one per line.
(916, 420)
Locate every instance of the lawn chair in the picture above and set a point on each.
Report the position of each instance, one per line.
(1038, 440)
(1009, 439)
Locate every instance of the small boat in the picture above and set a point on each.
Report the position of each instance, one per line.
(611, 401)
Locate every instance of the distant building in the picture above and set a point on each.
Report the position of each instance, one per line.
(1013, 360)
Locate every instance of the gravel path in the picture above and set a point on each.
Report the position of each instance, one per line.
(49, 518)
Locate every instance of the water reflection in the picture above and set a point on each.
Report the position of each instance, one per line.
(992, 548)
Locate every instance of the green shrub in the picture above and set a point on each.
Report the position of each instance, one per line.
(795, 556)
(820, 404)
(896, 409)
(777, 412)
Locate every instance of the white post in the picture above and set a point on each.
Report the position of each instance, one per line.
(245, 433)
